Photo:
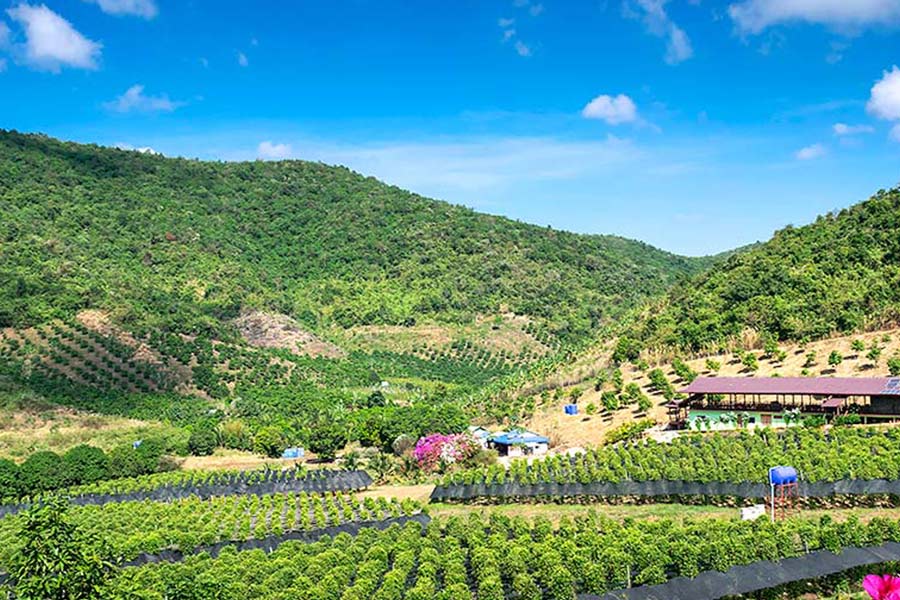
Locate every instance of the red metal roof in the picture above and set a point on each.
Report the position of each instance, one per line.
(824, 386)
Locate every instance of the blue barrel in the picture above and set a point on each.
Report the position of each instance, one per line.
(571, 409)
(782, 475)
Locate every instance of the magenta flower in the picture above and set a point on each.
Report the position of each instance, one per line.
(436, 451)
(882, 587)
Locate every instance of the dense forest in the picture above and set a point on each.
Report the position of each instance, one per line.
(838, 274)
(184, 245)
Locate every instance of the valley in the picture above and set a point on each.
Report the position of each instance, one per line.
(310, 374)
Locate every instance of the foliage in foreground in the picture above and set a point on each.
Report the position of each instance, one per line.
(129, 528)
(503, 558)
(55, 559)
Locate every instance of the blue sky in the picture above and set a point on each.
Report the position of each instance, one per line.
(693, 125)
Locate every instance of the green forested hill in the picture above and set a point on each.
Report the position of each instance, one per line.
(186, 245)
(838, 274)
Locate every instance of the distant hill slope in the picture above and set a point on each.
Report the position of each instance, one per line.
(185, 245)
(837, 275)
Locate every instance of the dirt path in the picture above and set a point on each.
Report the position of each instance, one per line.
(676, 512)
(420, 493)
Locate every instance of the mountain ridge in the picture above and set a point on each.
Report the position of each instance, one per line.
(136, 233)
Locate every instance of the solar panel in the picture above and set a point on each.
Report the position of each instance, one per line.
(892, 387)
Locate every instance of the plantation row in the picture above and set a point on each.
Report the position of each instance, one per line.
(505, 558)
(176, 484)
(842, 453)
(72, 350)
(465, 351)
(129, 528)
(69, 351)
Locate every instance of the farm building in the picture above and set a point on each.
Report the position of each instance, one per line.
(519, 442)
(732, 402)
(480, 434)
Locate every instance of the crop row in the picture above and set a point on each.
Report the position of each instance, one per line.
(207, 482)
(842, 453)
(129, 528)
(504, 558)
(73, 351)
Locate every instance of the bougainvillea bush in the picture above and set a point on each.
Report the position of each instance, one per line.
(437, 451)
(882, 587)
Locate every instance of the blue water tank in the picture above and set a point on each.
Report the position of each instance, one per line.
(571, 409)
(782, 475)
(293, 453)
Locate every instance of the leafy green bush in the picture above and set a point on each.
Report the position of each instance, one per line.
(10, 479)
(750, 362)
(835, 358)
(685, 372)
(893, 365)
(628, 431)
(43, 470)
(269, 441)
(661, 384)
(203, 441)
(85, 464)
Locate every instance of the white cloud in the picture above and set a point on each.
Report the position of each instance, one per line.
(842, 129)
(272, 151)
(884, 101)
(134, 100)
(836, 54)
(811, 152)
(613, 110)
(4, 35)
(242, 59)
(509, 34)
(895, 132)
(458, 168)
(2, 64)
(535, 9)
(51, 42)
(139, 8)
(658, 23)
(752, 16)
(678, 46)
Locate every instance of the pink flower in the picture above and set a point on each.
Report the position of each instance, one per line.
(882, 587)
(436, 451)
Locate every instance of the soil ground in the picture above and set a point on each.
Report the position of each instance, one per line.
(677, 512)
(420, 493)
(234, 459)
(584, 430)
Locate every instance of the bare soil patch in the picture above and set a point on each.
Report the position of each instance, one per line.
(272, 330)
(233, 459)
(583, 430)
(420, 493)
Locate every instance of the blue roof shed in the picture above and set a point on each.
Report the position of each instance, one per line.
(511, 438)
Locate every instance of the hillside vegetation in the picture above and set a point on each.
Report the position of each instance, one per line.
(188, 246)
(839, 274)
